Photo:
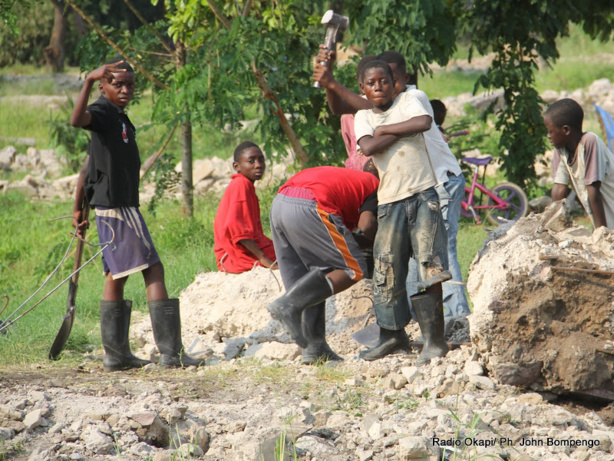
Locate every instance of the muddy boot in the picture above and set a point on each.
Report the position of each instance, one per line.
(314, 330)
(166, 325)
(429, 311)
(389, 341)
(114, 327)
(130, 359)
(310, 289)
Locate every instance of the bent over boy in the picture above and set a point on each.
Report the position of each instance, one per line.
(312, 219)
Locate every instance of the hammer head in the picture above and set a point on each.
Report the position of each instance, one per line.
(334, 22)
(333, 19)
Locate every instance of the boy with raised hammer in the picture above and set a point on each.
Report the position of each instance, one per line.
(109, 181)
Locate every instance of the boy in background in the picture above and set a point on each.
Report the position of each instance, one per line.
(439, 114)
(582, 160)
(240, 243)
(313, 217)
(409, 218)
(109, 181)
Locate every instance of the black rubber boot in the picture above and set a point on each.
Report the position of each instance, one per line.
(131, 359)
(114, 328)
(310, 289)
(314, 330)
(166, 325)
(429, 311)
(389, 342)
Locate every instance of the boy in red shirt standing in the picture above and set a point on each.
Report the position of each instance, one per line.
(240, 242)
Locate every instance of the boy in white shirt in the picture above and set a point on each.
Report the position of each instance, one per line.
(409, 216)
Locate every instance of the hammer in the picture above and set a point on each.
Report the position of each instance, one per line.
(334, 22)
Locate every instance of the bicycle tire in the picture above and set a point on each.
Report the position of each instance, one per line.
(515, 197)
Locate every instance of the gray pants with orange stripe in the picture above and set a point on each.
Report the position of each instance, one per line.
(306, 237)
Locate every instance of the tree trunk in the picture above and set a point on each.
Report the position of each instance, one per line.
(187, 186)
(55, 52)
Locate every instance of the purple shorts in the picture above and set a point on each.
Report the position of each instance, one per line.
(132, 249)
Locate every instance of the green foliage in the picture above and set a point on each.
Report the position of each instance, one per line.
(218, 83)
(520, 36)
(27, 24)
(185, 247)
(421, 30)
(482, 133)
(164, 176)
(28, 34)
(69, 142)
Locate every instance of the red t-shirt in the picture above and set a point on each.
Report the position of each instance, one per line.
(339, 191)
(238, 218)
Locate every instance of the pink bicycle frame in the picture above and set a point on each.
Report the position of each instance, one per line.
(499, 204)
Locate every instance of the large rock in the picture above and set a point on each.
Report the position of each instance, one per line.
(543, 304)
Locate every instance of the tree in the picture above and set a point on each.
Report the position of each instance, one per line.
(55, 51)
(421, 30)
(254, 54)
(520, 35)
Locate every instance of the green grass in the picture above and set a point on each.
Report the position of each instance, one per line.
(443, 84)
(22, 120)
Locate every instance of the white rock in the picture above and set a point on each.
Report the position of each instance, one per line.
(473, 368)
(416, 448)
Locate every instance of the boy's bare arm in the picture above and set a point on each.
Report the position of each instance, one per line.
(341, 100)
(414, 125)
(595, 200)
(254, 249)
(367, 223)
(559, 192)
(372, 146)
(80, 116)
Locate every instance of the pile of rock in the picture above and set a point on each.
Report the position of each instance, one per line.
(543, 304)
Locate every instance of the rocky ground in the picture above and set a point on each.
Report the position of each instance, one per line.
(245, 408)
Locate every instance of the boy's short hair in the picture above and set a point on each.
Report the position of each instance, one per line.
(241, 147)
(394, 57)
(439, 110)
(361, 64)
(125, 65)
(566, 112)
(376, 64)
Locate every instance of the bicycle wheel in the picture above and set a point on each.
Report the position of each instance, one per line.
(518, 204)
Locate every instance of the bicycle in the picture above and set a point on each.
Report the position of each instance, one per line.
(506, 201)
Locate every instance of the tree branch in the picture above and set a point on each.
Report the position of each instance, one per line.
(113, 45)
(218, 14)
(151, 160)
(285, 125)
(248, 5)
(151, 29)
(266, 90)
